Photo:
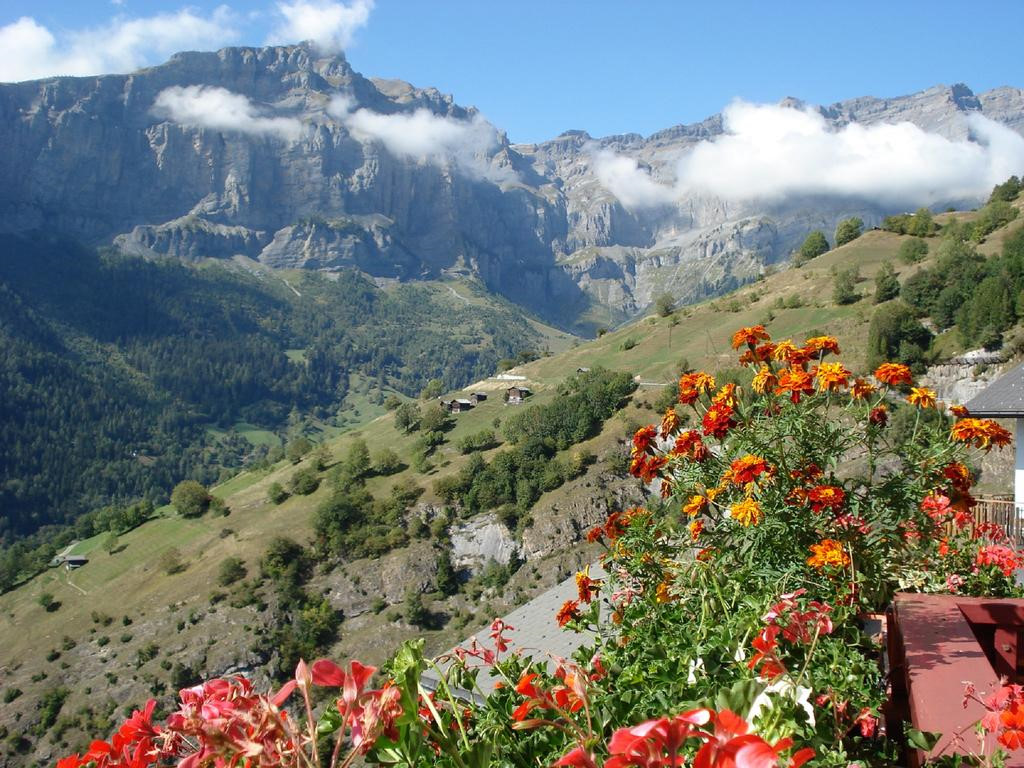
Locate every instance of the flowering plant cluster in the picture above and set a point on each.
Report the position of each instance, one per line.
(728, 632)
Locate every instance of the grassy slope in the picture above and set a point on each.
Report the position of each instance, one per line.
(131, 583)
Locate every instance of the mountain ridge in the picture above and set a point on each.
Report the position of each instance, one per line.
(90, 158)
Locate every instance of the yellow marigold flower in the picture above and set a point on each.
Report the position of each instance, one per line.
(831, 376)
(750, 336)
(764, 380)
(828, 553)
(862, 389)
(959, 411)
(747, 512)
(922, 397)
(725, 396)
(696, 529)
(695, 505)
(784, 350)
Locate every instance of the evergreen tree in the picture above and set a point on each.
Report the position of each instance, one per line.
(844, 290)
(887, 285)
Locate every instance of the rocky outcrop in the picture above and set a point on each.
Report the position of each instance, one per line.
(964, 376)
(291, 181)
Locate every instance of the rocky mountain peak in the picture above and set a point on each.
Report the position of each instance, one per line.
(281, 178)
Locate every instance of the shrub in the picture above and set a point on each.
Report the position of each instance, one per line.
(912, 250)
(231, 569)
(304, 481)
(276, 493)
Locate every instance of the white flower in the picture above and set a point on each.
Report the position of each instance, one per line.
(695, 665)
(799, 694)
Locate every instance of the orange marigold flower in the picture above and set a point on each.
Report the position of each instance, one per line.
(879, 416)
(826, 496)
(570, 611)
(829, 553)
(982, 433)
(750, 336)
(643, 439)
(647, 467)
(796, 381)
(718, 420)
(861, 389)
(922, 397)
(822, 345)
(959, 411)
(725, 396)
(958, 475)
(764, 380)
(693, 385)
(689, 444)
(894, 374)
(760, 354)
(662, 594)
(831, 376)
(695, 505)
(745, 469)
(587, 587)
(696, 529)
(669, 422)
(747, 512)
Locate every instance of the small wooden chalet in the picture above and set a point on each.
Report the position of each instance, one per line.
(515, 395)
(460, 406)
(477, 397)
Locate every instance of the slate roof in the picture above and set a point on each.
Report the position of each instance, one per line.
(535, 631)
(1002, 399)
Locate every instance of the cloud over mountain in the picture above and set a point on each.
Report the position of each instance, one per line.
(123, 44)
(222, 110)
(331, 25)
(421, 135)
(771, 153)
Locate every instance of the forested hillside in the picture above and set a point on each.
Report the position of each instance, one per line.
(114, 369)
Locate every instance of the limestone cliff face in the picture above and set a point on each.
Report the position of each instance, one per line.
(93, 158)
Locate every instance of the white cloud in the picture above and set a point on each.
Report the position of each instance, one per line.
(220, 109)
(331, 25)
(122, 45)
(771, 153)
(422, 135)
(623, 177)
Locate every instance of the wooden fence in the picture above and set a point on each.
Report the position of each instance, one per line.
(1002, 512)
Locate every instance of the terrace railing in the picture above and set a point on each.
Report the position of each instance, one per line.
(1004, 513)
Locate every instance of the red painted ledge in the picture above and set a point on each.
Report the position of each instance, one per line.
(938, 643)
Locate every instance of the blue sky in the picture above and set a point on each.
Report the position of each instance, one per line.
(537, 68)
